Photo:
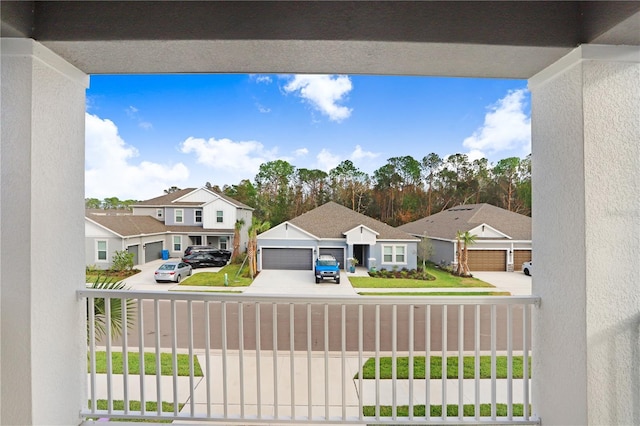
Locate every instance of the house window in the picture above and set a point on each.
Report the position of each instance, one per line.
(178, 215)
(159, 213)
(223, 243)
(177, 243)
(219, 216)
(101, 252)
(394, 254)
(198, 216)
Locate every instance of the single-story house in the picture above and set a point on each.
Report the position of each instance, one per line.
(339, 231)
(503, 238)
(169, 223)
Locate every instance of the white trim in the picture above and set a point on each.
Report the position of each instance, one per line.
(290, 239)
(219, 217)
(104, 227)
(29, 47)
(160, 213)
(394, 254)
(175, 215)
(490, 227)
(195, 216)
(361, 226)
(586, 52)
(106, 251)
(173, 243)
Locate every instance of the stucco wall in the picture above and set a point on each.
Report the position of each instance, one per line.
(586, 129)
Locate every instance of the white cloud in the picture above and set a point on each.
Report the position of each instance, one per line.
(263, 109)
(359, 154)
(301, 152)
(323, 93)
(506, 127)
(326, 160)
(111, 172)
(239, 159)
(262, 78)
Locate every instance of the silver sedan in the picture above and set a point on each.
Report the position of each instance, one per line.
(172, 271)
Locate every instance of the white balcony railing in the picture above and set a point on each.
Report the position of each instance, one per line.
(300, 359)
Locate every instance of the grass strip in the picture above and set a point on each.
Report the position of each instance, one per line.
(150, 406)
(443, 280)
(439, 293)
(436, 367)
(166, 364)
(436, 410)
(216, 279)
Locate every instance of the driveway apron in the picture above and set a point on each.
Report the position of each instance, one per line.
(298, 283)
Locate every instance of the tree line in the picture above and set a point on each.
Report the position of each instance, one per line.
(403, 190)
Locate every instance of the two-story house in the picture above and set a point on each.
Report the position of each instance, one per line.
(169, 223)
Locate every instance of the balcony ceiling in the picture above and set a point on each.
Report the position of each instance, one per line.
(476, 38)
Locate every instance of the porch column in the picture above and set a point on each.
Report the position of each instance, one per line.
(42, 324)
(586, 237)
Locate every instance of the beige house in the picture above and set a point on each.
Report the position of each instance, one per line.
(503, 238)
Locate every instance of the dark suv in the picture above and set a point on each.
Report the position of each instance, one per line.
(191, 249)
(226, 254)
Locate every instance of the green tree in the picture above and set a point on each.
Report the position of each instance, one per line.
(349, 186)
(244, 192)
(430, 166)
(122, 261)
(273, 184)
(92, 203)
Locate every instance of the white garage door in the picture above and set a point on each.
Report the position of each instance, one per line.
(287, 258)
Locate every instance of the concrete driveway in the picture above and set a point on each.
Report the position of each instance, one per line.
(517, 283)
(144, 281)
(300, 283)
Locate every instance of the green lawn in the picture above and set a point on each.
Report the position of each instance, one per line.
(436, 367)
(436, 410)
(439, 293)
(443, 280)
(216, 279)
(166, 363)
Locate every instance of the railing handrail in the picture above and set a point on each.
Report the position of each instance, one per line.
(299, 298)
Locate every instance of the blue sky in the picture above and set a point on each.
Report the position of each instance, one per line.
(145, 133)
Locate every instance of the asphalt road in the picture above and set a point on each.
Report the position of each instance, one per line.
(317, 319)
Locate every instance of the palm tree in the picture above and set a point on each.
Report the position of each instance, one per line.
(115, 310)
(256, 228)
(236, 239)
(467, 239)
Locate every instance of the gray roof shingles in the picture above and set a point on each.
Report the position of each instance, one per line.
(331, 220)
(466, 217)
(169, 200)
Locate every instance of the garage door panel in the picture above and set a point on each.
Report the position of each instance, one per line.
(521, 256)
(134, 250)
(487, 260)
(338, 253)
(287, 258)
(153, 251)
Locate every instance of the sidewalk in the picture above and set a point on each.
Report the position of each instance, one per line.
(308, 384)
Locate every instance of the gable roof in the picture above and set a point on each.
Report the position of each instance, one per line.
(171, 199)
(466, 217)
(331, 220)
(128, 225)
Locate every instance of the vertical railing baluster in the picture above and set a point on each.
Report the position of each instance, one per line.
(493, 361)
(460, 361)
(509, 363)
(411, 348)
(427, 361)
(107, 311)
(444, 362)
(326, 361)
(476, 377)
(240, 306)
(174, 356)
(91, 308)
(275, 360)
(258, 366)
(394, 361)
(343, 334)
(526, 311)
(207, 354)
(125, 355)
(141, 361)
(292, 369)
(360, 359)
(377, 361)
(223, 336)
(309, 378)
(192, 388)
(156, 314)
